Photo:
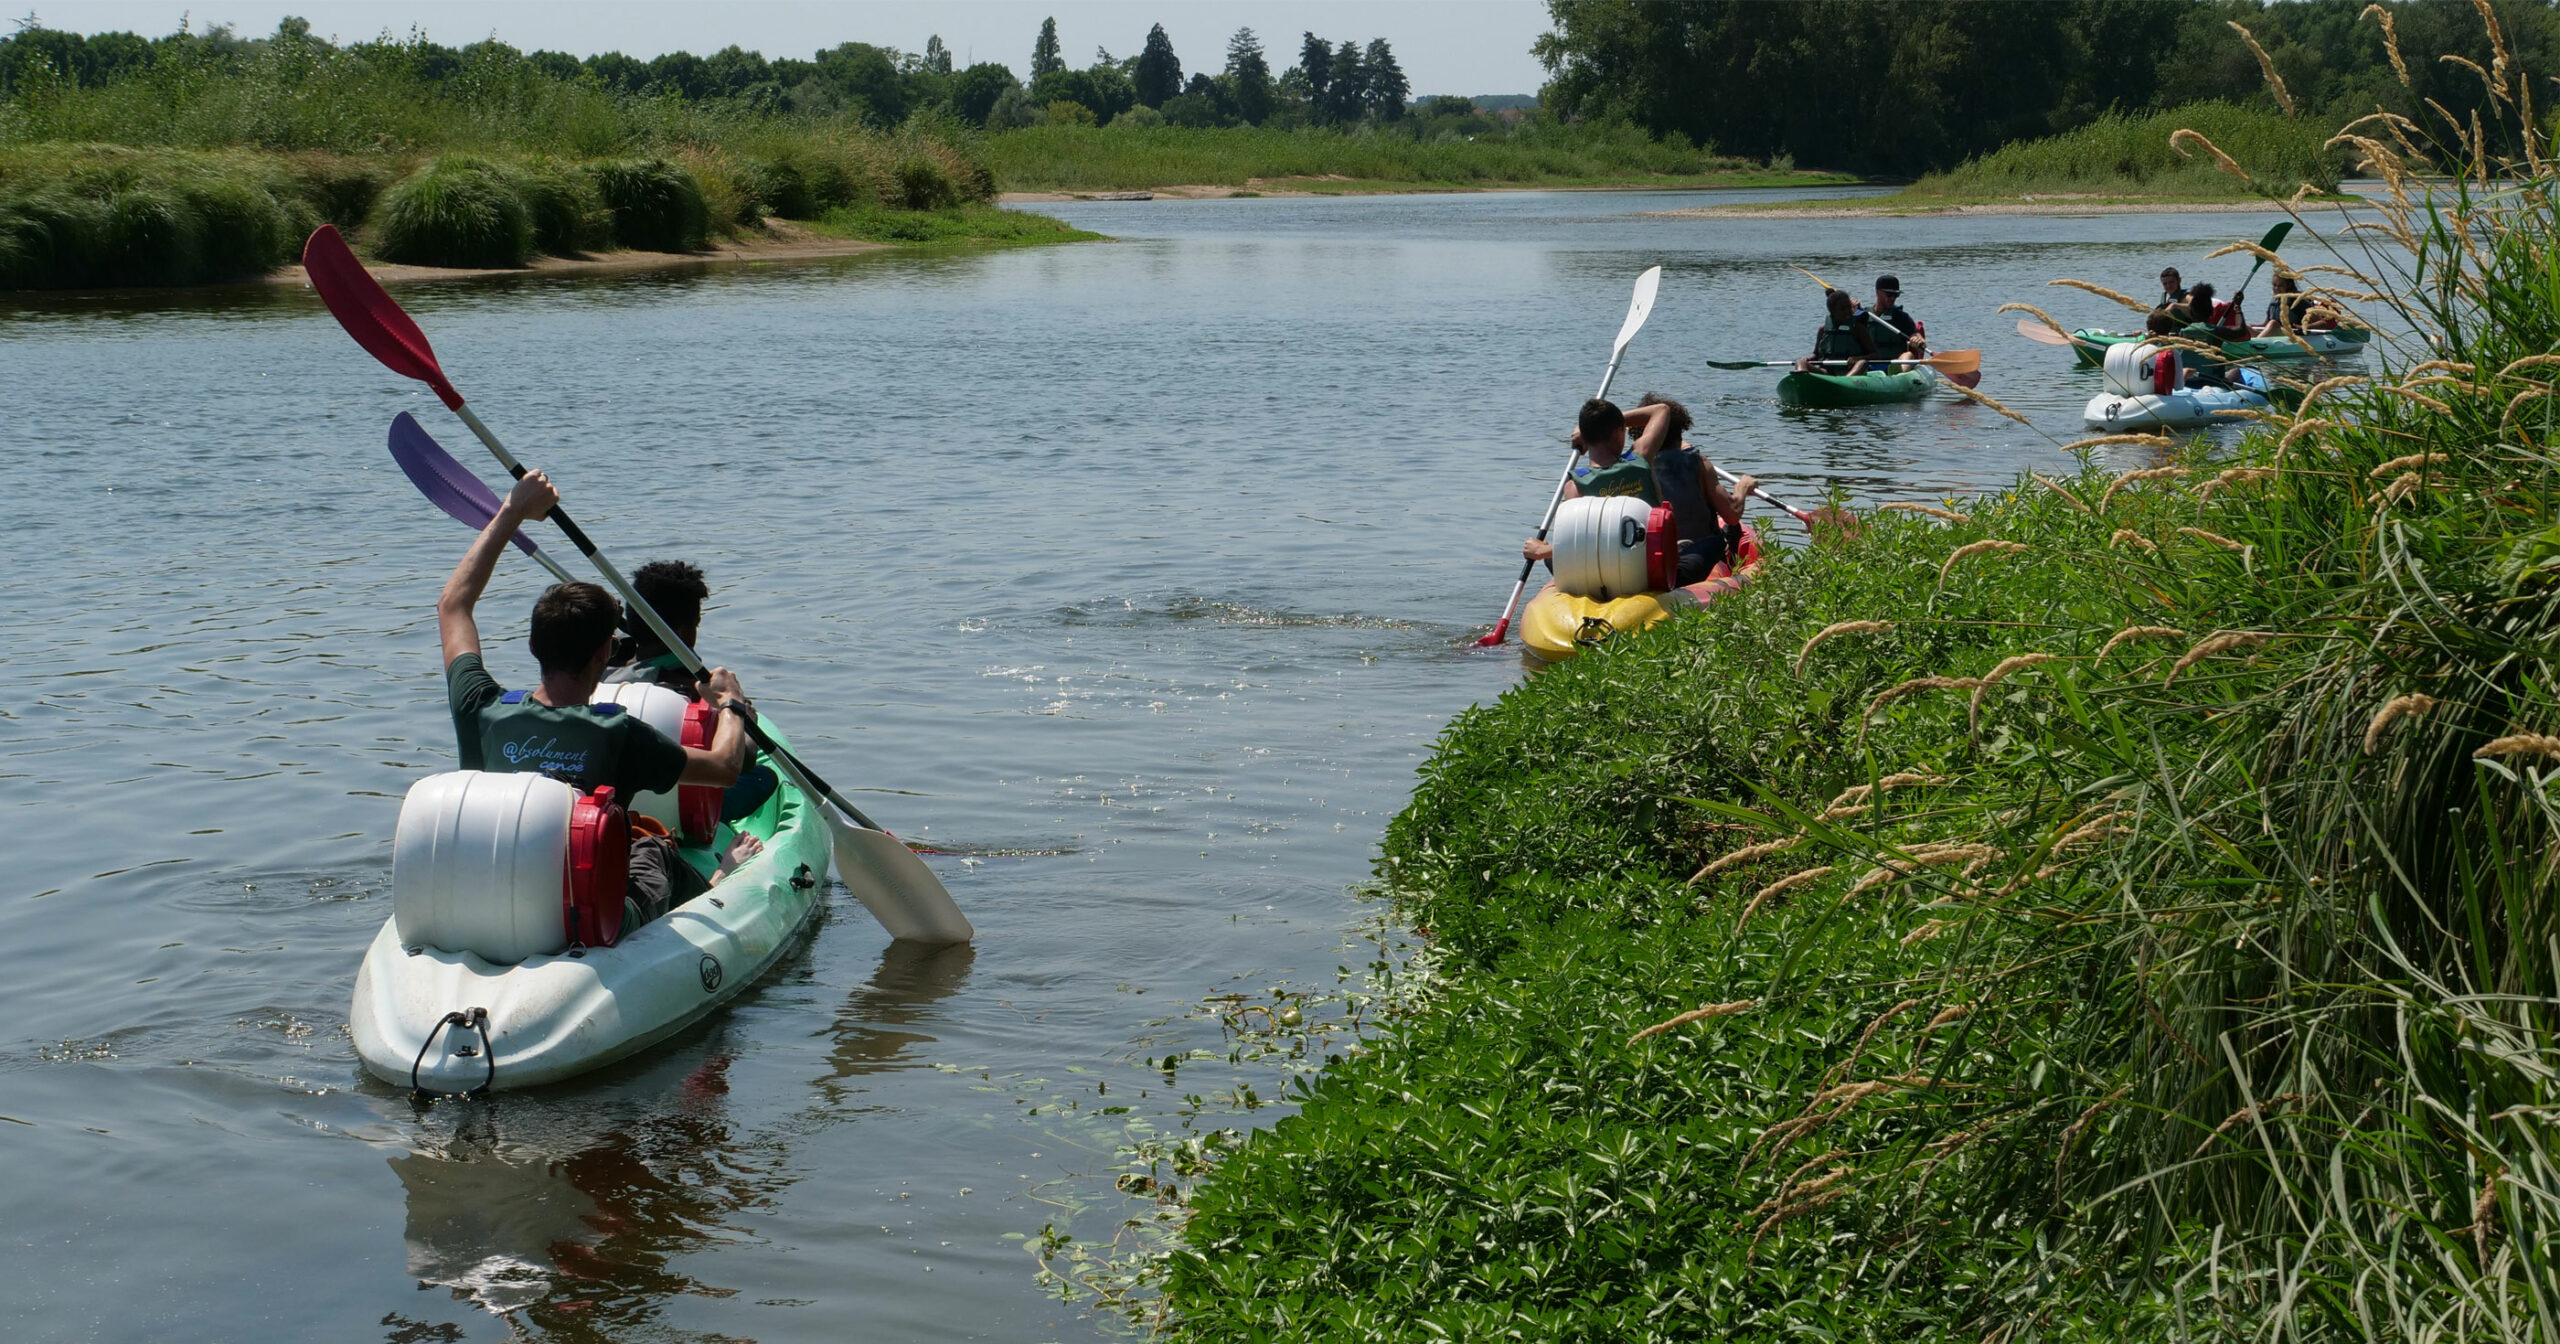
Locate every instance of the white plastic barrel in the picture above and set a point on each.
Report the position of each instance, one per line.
(2128, 368)
(662, 709)
(478, 863)
(1600, 546)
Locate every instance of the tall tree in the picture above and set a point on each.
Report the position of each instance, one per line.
(1315, 64)
(937, 57)
(1347, 96)
(1158, 75)
(1249, 77)
(1044, 53)
(1387, 88)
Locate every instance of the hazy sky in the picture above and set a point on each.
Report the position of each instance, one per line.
(1445, 46)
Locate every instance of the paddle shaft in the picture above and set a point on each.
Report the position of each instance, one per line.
(802, 776)
(1528, 567)
(1798, 514)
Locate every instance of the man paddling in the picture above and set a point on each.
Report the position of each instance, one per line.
(1846, 337)
(676, 591)
(1663, 468)
(1896, 332)
(552, 730)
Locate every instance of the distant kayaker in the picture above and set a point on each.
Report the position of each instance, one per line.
(2289, 309)
(1707, 515)
(552, 730)
(2201, 319)
(676, 591)
(2173, 288)
(1896, 332)
(1843, 340)
(1600, 434)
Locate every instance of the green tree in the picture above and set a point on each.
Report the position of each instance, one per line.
(1248, 78)
(1386, 86)
(1158, 74)
(1315, 66)
(937, 57)
(1044, 53)
(1346, 95)
(974, 91)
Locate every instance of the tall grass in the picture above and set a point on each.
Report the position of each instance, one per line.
(1061, 157)
(2132, 155)
(2149, 933)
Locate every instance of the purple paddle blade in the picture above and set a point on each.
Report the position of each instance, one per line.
(447, 484)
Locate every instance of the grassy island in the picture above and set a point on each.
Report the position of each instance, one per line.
(2122, 907)
(203, 158)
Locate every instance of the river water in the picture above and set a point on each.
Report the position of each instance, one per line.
(1142, 571)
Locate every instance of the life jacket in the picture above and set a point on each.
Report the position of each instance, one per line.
(1839, 340)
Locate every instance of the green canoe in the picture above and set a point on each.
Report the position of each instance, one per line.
(1872, 388)
(2090, 344)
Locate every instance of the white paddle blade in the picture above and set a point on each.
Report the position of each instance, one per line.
(2041, 334)
(1638, 309)
(895, 886)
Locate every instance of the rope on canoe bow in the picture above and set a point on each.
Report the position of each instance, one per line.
(478, 1020)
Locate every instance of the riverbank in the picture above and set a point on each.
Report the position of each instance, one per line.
(2098, 908)
(1737, 180)
(2059, 205)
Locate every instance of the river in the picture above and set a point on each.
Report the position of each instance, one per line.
(1143, 571)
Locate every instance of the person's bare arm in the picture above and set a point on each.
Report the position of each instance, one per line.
(1651, 425)
(725, 759)
(530, 501)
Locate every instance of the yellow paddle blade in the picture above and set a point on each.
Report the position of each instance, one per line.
(1955, 361)
(1810, 276)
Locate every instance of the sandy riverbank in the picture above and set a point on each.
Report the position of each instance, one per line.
(1335, 184)
(2059, 206)
(782, 240)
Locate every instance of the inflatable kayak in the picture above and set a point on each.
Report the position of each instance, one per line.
(2146, 390)
(1874, 387)
(2091, 346)
(1557, 625)
(474, 983)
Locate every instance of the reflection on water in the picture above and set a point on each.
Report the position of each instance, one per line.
(587, 1242)
(1135, 578)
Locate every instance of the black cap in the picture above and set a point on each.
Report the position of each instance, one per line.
(1889, 283)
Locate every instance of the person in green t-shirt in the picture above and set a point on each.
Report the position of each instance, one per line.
(1601, 435)
(552, 729)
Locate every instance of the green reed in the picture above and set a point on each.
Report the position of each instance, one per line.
(2150, 933)
(2125, 155)
(1110, 158)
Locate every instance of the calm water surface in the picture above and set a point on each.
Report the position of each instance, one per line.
(1147, 569)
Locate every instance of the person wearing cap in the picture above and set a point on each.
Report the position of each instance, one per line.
(1897, 333)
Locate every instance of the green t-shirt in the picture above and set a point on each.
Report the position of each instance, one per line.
(585, 747)
(1627, 476)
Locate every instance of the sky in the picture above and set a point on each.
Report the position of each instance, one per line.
(1445, 46)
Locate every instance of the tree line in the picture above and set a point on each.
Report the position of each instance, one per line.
(1335, 84)
(1918, 85)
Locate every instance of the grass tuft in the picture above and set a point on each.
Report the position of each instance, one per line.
(461, 210)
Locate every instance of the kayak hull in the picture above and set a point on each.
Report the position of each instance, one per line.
(2188, 408)
(553, 1017)
(2090, 344)
(1865, 389)
(1557, 625)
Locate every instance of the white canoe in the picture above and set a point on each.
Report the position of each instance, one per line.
(2186, 408)
(549, 1017)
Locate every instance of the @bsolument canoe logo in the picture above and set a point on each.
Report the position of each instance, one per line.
(710, 972)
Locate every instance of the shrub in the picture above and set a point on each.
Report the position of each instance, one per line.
(780, 188)
(107, 215)
(923, 185)
(457, 211)
(1069, 112)
(569, 218)
(342, 190)
(656, 206)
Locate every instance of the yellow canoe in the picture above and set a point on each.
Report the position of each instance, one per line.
(1558, 625)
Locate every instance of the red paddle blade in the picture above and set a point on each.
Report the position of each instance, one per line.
(1966, 379)
(1501, 628)
(357, 301)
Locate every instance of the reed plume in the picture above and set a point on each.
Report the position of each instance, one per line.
(2138, 632)
(2267, 67)
(1837, 628)
(2103, 292)
(2221, 643)
(1931, 510)
(2393, 710)
(1696, 1015)
(1991, 546)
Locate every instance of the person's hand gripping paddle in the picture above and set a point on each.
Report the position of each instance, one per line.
(1638, 309)
(900, 891)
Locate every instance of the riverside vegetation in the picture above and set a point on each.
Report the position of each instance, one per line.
(203, 158)
(2120, 907)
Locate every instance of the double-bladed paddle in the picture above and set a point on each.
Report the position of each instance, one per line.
(895, 885)
(1638, 309)
(1953, 363)
(2273, 240)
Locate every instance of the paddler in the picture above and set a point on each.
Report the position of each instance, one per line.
(1897, 334)
(552, 730)
(676, 591)
(2201, 319)
(2288, 309)
(2173, 288)
(1600, 434)
(1844, 338)
(1706, 514)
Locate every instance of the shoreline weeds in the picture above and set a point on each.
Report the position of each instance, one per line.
(1335, 184)
(782, 242)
